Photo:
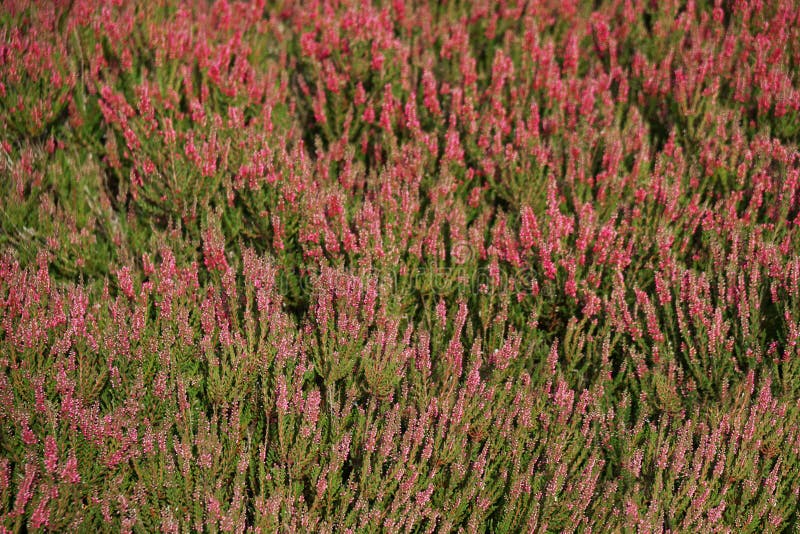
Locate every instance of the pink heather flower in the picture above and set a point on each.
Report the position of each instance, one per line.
(428, 450)
(423, 354)
(474, 377)
(548, 266)
(570, 286)
(343, 448)
(28, 437)
(564, 399)
(50, 454)
(282, 401)
(319, 104)
(461, 316)
(390, 104)
(552, 358)
(453, 151)
(125, 281)
(775, 519)
(322, 484)
(5, 474)
(311, 408)
(41, 516)
(412, 122)
(529, 233)
(454, 356)
(556, 483)
(502, 357)
(214, 252)
(771, 482)
(430, 93)
(635, 464)
(631, 510)
(277, 232)
(662, 290)
(213, 507)
(424, 496)
(360, 95)
(25, 489)
(377, 57)
(147, 265)
(39, 397)
(592, 304)
(441, 311)
(368, 116)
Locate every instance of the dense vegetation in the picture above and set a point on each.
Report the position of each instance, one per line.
(402, 267)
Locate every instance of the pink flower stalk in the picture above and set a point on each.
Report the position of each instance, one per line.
(453, 151)
(282, 401)
(41, 515)
(25, 489)
(51, 454)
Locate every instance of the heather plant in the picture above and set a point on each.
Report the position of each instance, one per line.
(399, 266)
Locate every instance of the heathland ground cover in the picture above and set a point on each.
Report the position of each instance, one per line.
(342, 266)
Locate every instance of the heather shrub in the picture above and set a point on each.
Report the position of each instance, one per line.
(405, 267)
